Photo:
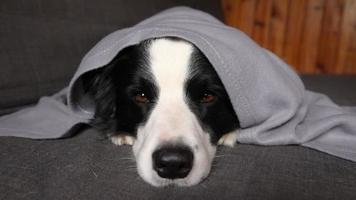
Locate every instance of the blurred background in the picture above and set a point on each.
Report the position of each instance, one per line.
(313, 36)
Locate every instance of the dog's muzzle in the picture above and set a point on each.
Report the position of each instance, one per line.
(173, 162)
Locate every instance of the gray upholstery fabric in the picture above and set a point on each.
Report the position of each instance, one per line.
(338, 88)
(90, 167)
(43, 41)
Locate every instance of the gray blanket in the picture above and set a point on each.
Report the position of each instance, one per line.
(269, 98)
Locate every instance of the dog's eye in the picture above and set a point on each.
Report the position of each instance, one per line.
(141, 98)
(207, 98)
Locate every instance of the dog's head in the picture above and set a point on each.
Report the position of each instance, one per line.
(164, 97)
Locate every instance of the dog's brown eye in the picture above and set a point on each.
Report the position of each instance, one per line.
(207, 98)
(141, 98)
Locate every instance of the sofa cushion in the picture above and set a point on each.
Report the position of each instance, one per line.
(89, 167)
(42, 42)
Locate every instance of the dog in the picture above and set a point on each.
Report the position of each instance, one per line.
(164, 97)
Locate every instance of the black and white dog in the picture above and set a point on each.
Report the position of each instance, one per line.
(163, 97)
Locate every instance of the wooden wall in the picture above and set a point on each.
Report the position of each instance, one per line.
(314, 36)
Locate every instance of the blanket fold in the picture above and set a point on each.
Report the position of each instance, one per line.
(269, 98)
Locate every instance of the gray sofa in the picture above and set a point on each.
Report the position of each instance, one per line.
(41, 44)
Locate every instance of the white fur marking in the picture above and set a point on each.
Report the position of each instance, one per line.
(229, 139)
(122, 139)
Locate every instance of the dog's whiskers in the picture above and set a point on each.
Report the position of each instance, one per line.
(221, 155)
(203, 184)
(130, 159)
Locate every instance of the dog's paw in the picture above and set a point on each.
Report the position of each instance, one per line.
(229, 139)
(122, 140)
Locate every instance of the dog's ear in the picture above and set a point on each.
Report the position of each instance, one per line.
(100, 86)
(103, 86)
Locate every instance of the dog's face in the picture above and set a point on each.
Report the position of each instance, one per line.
(164, 97)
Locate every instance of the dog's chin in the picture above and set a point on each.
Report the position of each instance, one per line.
(185, 182)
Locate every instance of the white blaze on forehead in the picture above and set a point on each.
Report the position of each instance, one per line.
(169, 62)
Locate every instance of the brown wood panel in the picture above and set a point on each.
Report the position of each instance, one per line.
(261, 21)
(296, 13)
(310, 36)
(346, 60)
(329, 40)
(314, 36)
(277, 26)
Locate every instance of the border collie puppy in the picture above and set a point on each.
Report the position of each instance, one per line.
(163, 97)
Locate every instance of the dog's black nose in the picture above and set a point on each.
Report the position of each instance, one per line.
(172, 162)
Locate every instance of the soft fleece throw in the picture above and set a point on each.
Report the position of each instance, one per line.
(268, 96)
